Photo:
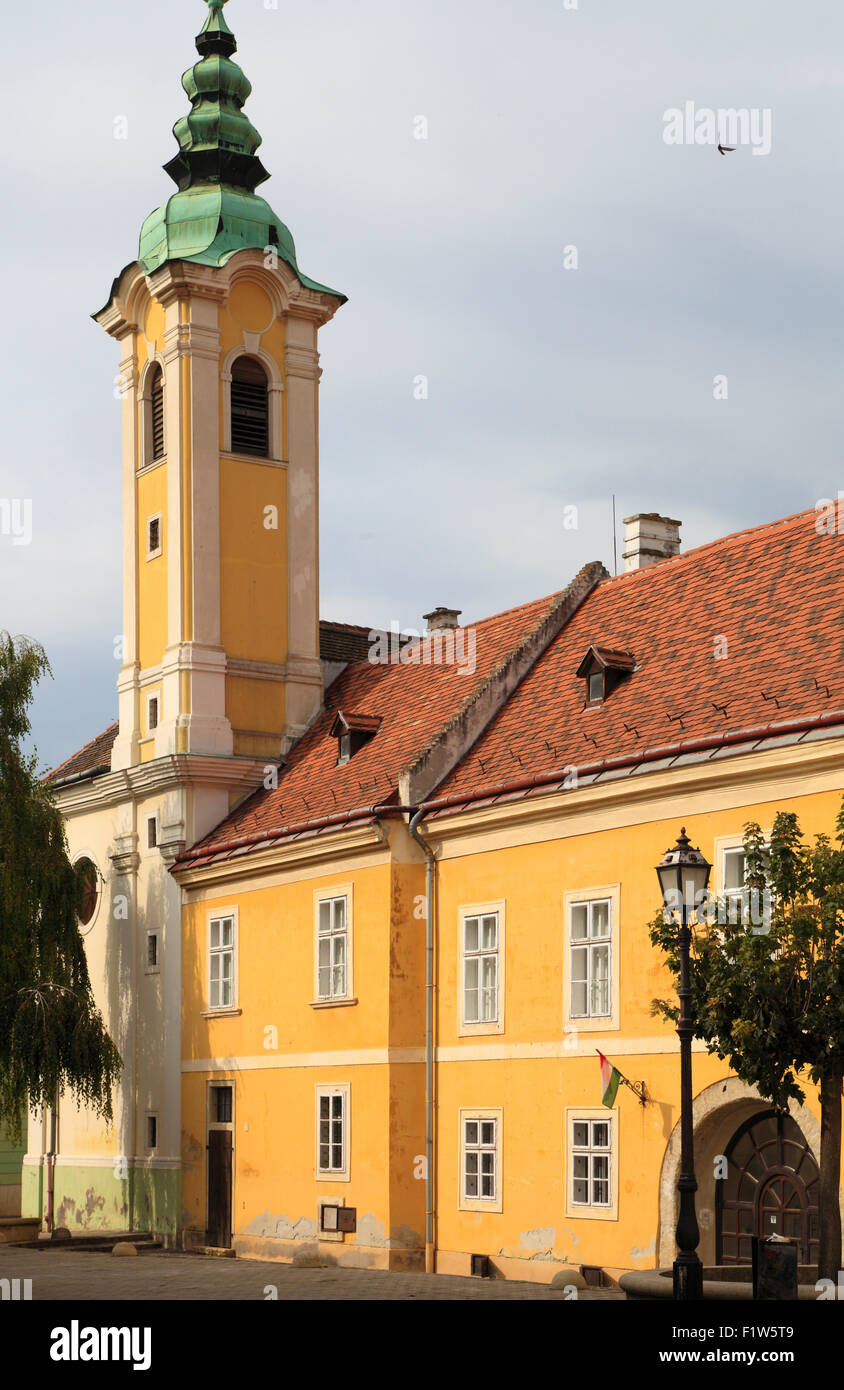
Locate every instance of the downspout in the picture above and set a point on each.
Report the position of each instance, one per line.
(51, 1166)
(429, 1040)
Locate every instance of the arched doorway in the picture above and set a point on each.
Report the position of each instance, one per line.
(771, 1187)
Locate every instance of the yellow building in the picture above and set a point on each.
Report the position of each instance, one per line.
(383, 901)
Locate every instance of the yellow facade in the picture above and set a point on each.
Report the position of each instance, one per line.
(534, 1071)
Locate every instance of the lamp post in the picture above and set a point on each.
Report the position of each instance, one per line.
(683, 874)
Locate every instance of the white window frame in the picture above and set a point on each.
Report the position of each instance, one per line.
(467, 912)
(150, 696)
(343, 1089)
(147, 847)
(592, 1023)
(591, 1115)
(154, 554)
(153, 969)
(724, 845)
(222, 915)
(332, 895)
(478, 1115)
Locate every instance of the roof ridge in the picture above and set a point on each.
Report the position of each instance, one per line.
(718, 541)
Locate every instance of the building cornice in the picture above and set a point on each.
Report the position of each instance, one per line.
(319, 848)
(173, 771)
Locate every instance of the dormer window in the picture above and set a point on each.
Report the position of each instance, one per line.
(602, 669)
(352, 731)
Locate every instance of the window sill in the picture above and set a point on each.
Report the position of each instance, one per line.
(221, 1013)
(332, 1003)
(253, 458)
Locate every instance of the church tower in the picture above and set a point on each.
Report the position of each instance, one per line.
(219, 380)
(219, 377)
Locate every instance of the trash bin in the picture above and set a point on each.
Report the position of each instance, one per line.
(775, 1262)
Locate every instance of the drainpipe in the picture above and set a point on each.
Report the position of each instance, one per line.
(429, 1041)
(51, 1165)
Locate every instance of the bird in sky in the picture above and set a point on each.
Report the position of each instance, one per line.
(726, 149)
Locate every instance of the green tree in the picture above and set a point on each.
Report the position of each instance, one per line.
(52, 1036)
(768, 987)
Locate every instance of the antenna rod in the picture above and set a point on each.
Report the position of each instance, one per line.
(614, 553)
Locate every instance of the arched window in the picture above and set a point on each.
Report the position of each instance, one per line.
(156, 415)
(89, 891)
(250, 408)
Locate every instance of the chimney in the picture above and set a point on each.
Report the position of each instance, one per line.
(648, 538)
(442, 619)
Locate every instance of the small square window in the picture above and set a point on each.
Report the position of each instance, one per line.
(153, 713)
(152, 832)
(154, 547)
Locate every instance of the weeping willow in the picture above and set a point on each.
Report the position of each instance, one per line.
(52, 1035)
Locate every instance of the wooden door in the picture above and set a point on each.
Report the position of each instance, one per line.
(220, 1188)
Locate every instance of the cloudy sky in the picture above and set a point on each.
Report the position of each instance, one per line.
(548, 386)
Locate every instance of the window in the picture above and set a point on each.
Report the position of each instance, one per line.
(221, 963)
(90, 892)
(603, 668)
(152, 713)
(152, 832)
(152, 953)
(590, 944)
(332, 1157)
(152, 1132)
(154, 546)
(596, 686)
(479, 1160)
(591, 1158)
(250, 416)
(333, 947)
(480, 968)
(222, 1097)
(352, 732)
(156, 415)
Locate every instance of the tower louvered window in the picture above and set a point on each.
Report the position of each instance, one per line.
(250, 408)
(157, 415)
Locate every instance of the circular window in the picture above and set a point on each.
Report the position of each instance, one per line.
(90, 892)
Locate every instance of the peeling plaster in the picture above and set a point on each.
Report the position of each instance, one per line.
(281, 1228)
(646, 1254)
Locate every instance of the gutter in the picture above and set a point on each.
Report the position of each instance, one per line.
(544, 779)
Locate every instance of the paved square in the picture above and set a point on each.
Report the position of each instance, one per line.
(78, 1275)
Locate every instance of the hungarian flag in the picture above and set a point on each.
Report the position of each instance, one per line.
(610, 1077)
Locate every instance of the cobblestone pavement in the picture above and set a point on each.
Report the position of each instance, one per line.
(71, 1276)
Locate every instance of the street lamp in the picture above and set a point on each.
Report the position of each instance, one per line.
(683, 874)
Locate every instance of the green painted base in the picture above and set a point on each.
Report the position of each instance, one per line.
(94, 1198)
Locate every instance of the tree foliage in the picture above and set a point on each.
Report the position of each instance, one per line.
(767, 990)
(52, 1036)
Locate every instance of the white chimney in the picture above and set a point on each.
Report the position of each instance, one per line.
(648, 538)
(442, 619)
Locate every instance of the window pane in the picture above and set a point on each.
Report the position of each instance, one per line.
(215, 994)
(471, 1185)
(580, 1190)
(580, 1134)
(324, 918)
(579, 957)
(324, 952)
(488, 1163)
(489, 1005)
(601, 1194)
(471, 1131)
(600, 1134)
(324, 1159)
(215, 934)
(471, 1007)
(226, 960)
(228, 928)
(578, 921)
(338, 981)
(337, 1106)
(600, 919)
(600, 980)
(490, 933)
(339, 914)
(324, 1104)
(471, 929)
(580, 1165)
(226, 994)
(487, 1185)
(578, 999)
(471, 1163)
(215, 968)
(600, 1167)
(733, 868)
(324, 986)
(488, 1132)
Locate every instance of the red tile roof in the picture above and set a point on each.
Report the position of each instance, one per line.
(742, 634)
(95, 756)
(413, 703)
